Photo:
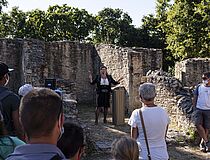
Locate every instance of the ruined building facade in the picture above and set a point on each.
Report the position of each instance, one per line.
(70, 63)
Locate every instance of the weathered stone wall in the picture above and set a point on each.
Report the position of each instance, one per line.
(116, 60)
(69, 63)
(175, 98)
(141, 60)
(33, 64)
(35, 60)
(189, 71)
(11, 53)
(131, 64)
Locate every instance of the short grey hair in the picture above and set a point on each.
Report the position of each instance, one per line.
(147, 91)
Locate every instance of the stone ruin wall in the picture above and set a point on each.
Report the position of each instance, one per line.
(189, 71)
(11, 54)
(130, 63)
(141, 60)
(33, 65)
(35, 60)
(116, 60)
(69, 62)
(175, 92)
(174, 97)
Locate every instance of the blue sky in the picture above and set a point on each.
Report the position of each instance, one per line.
(135, 8)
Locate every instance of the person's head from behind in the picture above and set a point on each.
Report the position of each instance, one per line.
(24, 89)
(4, 74)
(125, 148)
(206, 78)
(41, 115)
(71, 142)
(147, 92)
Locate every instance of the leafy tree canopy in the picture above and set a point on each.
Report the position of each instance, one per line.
(113, 26)
(187, 28)
(3, 3)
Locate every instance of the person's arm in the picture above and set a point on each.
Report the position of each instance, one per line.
(194, 101)
(113, 81)
(91, 79)
(15, 103)
(195, 97)
(166, 131)
(134, 132)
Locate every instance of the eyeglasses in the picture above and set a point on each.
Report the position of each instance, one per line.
(204, 78)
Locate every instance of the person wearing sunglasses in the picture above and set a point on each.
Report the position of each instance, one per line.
(201, 114)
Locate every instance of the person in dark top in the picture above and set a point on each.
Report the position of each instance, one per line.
(7, 143)
(9, 104)
(103, 82)
(71, 142)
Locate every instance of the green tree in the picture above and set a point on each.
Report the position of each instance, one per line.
(35, 26)
(162, 8)
(3, 3)
(13, 24)
(155, 36)
(113, 27)
(4, 25)
(187, 29)
(152, 33)
(68, 23)
(58, 23)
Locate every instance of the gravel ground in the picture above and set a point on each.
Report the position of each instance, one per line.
(104, 134)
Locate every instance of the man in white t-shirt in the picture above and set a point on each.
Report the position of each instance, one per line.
(201, 115)
(156, 122)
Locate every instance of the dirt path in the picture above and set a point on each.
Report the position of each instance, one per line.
(105, 134)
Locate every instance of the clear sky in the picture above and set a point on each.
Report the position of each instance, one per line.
(135, 8)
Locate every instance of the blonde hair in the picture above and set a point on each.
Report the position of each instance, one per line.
(125, 148)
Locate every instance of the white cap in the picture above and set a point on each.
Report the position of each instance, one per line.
(23, 90)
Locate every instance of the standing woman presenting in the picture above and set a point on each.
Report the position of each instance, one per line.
(103, 82)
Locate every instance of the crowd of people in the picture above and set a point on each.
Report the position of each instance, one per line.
(32, 125)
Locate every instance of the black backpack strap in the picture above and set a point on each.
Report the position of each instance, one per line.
(197, 87)
(4, 94)
(56, 157)
(145, 134)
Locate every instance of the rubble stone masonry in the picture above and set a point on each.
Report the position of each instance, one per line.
(70, 62)
(189, 71)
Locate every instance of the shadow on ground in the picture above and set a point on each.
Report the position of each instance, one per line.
(104, 134)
